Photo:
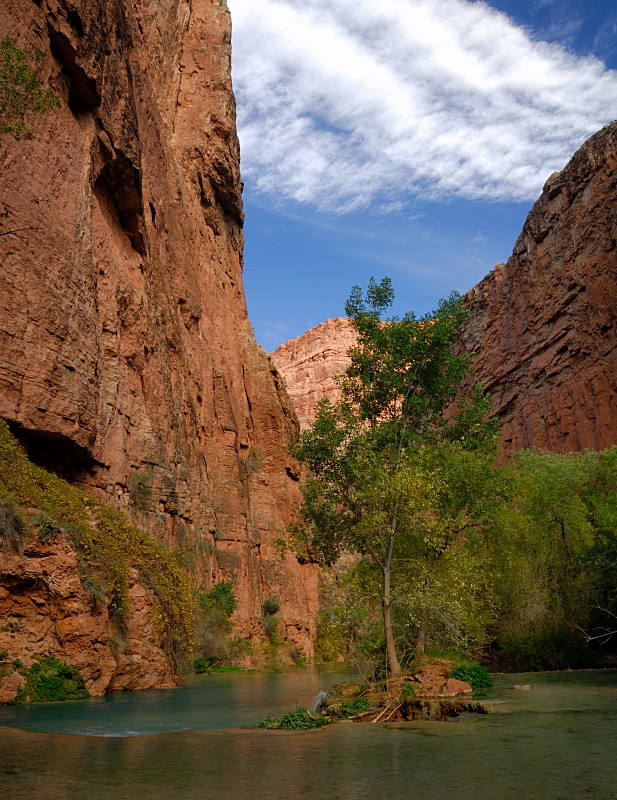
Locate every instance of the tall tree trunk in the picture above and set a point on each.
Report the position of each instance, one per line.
(393, 662)
(420, 639)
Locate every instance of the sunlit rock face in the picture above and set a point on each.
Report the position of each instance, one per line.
(312, 363)
(127, 361)
(542, 326)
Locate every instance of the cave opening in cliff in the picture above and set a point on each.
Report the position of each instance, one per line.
(55, 452)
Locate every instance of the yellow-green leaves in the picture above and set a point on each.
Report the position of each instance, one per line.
(20, 91)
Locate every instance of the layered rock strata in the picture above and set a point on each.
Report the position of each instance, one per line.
(127, 361)
(312, 363)
(542, 326)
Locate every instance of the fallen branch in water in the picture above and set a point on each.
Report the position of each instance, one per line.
(394, 710)
(607, 633)
(379, 716)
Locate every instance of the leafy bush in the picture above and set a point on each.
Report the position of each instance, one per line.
(47, 528)
(214, 627)
(200, 665)
(473, 674)
(269, 722)
(50, 680)
(357, 706)
(271, 606)
(20, 91)
(301, 719)
(552, 650)
(221, 597)
(297, 720)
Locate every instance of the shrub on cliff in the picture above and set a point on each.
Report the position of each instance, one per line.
(214, 627)
(20, 91)
(108, 548)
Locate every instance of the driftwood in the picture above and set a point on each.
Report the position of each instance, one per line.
(380, 715)
(394, 710)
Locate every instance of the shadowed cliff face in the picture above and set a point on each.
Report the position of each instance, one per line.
(542, 326)
(127, 361)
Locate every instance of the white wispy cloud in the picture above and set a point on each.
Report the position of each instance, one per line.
(342, 103)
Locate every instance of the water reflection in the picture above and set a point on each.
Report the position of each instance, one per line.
(557, 741)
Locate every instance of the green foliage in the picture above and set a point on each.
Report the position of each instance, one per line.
(301, 719)
(357, 706)
(269, 722)
(552, 547)
(140, 488)
(48, 530)
(271, 605)
(12, 526)
(200, 665)
(20, 90)
(473, 674)
(396, 481)
(108, 547)
(214, 622)
(272, 631)
(408, 692)
(560, 648)
(221, 597)
(49, 680)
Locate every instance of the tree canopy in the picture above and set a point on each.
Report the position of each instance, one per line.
(391, 472)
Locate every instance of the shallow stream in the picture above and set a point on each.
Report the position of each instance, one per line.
(557, 740)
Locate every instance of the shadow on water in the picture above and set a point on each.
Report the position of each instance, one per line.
(553, 742)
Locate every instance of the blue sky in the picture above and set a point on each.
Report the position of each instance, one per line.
(406, 138)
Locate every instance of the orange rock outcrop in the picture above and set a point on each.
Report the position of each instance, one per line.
(127, 361)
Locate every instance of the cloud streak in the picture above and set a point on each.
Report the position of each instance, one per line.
(345, 103)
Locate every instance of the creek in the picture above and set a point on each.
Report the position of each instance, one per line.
(556, 741)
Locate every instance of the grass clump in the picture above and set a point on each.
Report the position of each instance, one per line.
(50, 680)
(473, 674)
(13, 529)
(297, 720)
(108, 548)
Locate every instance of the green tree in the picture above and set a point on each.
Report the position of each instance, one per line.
(553, 546)
(216, 608)
(383, 458)
(20, 90)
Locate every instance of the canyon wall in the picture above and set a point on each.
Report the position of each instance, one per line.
(542, 326)
(127, 361)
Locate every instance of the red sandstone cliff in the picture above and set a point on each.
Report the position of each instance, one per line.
(127, 361)
(542, 326)
(311, 363)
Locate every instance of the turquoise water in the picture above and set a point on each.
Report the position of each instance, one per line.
(558, 740)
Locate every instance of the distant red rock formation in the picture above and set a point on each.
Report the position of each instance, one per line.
(311, 363)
